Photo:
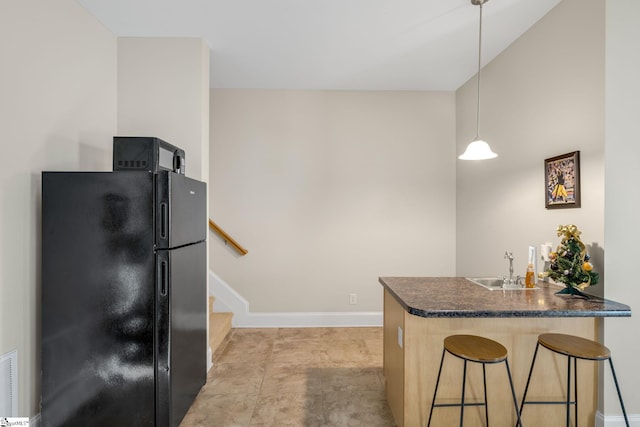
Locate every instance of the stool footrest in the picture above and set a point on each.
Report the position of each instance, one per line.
(555, 402)
(440, 405)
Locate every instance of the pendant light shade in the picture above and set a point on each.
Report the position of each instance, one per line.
(478, 149)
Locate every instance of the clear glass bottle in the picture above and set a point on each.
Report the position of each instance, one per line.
(530, 278)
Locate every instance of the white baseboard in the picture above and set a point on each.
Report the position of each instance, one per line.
(228, 300)
(308, 320)
(616, 420)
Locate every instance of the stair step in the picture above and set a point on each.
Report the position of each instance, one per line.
(219, 327)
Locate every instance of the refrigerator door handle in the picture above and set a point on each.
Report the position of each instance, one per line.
(164, 220)
(164, 277)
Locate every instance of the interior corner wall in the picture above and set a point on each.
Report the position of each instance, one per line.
(328, 190)
(163, 91)
(57, 112)
(541, 97)
(622, 234)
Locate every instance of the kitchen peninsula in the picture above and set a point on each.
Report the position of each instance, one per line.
(419, 312)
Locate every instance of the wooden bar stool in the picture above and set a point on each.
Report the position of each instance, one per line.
(574, 348)
(472, 348)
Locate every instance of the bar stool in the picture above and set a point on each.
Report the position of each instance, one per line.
(472, 348)
(574, 348)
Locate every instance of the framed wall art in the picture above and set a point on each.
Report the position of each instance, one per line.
(562, 181)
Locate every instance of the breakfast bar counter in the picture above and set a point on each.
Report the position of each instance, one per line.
(419, 312)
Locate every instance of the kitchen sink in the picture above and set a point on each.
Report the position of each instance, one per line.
(495, 283)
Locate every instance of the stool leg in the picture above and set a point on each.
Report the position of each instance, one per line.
(464, 380)
(513, 394)
(568, 390)
(486, 404)
(615, 380)
(526, 387)
(575, 389)
(433, 402)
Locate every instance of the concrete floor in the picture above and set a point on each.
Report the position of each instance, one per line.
(303, 377)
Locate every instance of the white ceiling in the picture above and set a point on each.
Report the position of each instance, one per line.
(331, 44)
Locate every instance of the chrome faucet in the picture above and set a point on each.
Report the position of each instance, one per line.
(511, 282)
(509, 256)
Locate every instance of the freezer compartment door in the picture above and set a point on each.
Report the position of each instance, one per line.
(182, 330)
(181, 212)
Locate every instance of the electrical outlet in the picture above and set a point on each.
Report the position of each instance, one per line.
(353, 299)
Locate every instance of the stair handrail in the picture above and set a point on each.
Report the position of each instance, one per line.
(227, 238)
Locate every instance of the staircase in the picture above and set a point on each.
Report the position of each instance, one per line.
(219, 326)
(220, 323)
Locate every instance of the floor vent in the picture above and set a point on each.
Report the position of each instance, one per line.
(9, 384)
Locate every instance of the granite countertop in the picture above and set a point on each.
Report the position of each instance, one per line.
(458, 297)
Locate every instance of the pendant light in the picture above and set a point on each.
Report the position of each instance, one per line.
(478, 149)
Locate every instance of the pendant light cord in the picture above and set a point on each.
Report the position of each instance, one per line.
(478, 149)
(479, 63)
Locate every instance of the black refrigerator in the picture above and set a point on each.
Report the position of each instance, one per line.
(123, 297)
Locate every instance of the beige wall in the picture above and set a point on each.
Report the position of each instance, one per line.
(57, 112)
(622, 234)
(328, 191)
(542, 97)
(163, 91)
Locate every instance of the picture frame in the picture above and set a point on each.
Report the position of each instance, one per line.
(562, 181)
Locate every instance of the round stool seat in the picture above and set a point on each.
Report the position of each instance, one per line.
(573, 346)
(475, 348)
